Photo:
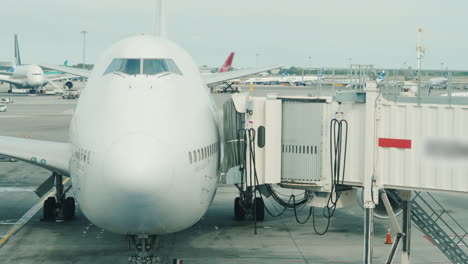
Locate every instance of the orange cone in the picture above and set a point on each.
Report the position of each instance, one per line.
(389, 236)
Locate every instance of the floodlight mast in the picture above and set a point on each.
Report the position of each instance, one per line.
(419, 56)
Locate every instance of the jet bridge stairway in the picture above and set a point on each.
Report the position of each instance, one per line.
(432, 219)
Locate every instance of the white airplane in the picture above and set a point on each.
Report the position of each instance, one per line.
(437, 82)
(28, 76)
(151, 169)
(283, 79)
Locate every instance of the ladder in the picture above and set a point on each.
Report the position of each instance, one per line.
(432, 219)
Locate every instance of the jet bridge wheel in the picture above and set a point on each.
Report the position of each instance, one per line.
(239, 211)
(49, 209)
(69, 209)
(259, 209)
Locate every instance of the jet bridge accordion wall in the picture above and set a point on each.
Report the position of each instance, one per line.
(302, 141)
(292, 131)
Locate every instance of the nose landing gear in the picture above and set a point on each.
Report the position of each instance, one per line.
(144, 245)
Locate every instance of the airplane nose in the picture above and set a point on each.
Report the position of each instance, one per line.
(138, 164)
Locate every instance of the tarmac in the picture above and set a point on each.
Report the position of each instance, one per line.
(216, 238)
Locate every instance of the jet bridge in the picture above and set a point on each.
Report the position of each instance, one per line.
(355, 139)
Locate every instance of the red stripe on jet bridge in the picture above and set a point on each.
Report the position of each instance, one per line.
(394, 143)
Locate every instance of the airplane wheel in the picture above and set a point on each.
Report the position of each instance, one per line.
(259, 209)
(69, 209)
(239, 212)
(49, 209)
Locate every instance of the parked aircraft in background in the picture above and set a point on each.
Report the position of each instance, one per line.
(284, 79)
(30, 77)
(440, 82)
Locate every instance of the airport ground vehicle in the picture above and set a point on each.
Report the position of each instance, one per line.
(3, 108)
(6, 101)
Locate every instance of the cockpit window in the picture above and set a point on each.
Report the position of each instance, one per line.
(150, 66)
(128, 66)
(155, 66)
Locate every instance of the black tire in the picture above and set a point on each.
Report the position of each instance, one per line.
(49, 209)
(239, 212)
(69, 209)
(259, 209)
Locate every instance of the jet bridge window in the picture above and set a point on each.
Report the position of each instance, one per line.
(155, 66)
(128, 66)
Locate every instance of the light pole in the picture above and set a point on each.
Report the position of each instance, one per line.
(84, 32)
(350, 72)
(419, 57)
(258, 55)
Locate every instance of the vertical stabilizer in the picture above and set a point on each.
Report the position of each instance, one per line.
(161, 20)
(227, 64)
(17, 52)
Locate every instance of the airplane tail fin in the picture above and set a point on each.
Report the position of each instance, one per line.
(65, 63)
(17, 52)
(227, 64)
(381, 77)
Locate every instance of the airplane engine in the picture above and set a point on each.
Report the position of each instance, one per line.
(68, 85)
(380, 211)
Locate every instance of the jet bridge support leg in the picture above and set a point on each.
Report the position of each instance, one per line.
(405, 256)
(368, 235)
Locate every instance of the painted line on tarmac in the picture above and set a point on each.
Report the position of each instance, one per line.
(182, 261)
(16, 189)
(26, 217)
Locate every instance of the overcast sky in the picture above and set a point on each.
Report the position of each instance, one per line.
(383, 33)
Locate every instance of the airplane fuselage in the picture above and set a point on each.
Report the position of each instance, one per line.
(146, 149)
(28, 76)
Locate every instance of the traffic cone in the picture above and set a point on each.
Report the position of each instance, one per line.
(389, 236)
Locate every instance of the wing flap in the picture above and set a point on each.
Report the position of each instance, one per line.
(53, 156)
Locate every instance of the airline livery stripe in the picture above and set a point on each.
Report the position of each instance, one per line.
(26, 217)
(395, 143)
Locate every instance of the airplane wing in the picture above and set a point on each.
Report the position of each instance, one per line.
(217, 78)
(53, 156)
(8, 79)
(70, 70)
(6, 73)
(61, 78)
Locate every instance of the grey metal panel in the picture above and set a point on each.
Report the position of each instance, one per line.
(350, 96)
(301, 144)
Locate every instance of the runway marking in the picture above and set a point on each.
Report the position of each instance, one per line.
(181, 261)
(16, 189)
(26, 217)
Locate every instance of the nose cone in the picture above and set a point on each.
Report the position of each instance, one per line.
(135, 187)
(139, 163)
(37, 80)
